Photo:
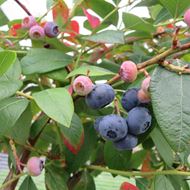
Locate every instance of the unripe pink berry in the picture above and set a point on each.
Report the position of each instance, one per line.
(36, 32)
(128, 71)
(82, 85)
(144, 97)
(34, 166)
(145, 84)
(187, 17)
(28, 22)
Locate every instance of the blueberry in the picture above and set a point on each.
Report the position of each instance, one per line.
(97, 122)
(34, 166)
(127, 143)
(100, 96)
(36, 32)
(139, 120)
(82, 85)
(51, 29)
(28, 22)
(128, 71)
(129, 99)
(113, 127)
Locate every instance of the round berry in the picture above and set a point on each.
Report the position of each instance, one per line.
(139, 120)
(113, 127)
(143, 97)
(28, 22)
(128, 186)
(127, 143)
(36, 32)
(82, 85)
(129, 99)
(51, 29)
(128, 71)
(100, 96)
(97, 122)
(34, 166)
(187, 17)
(146, 84)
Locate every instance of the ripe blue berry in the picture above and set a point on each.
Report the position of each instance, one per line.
(100, 96)
(139, 120)
(127, 143)
(28, 22)
(51, 29)
(97, 122)
(129, 99)
(113, 127)
(36, 32)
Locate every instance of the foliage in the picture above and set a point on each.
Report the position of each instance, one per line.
(41, 115)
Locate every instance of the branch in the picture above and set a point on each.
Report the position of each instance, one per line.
(136, 173)
(23, 7)
(12, 180)
(19, 93)
(158, 58)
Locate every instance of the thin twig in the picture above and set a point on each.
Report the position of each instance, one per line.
(23, 7)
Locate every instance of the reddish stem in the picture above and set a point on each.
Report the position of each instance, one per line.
(23, 7)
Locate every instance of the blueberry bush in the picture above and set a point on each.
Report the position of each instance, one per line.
(73, 105)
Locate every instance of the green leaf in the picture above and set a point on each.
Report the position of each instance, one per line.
(8, 88)
(163, 15)
(55, 178)
(160, 142)
(86, 182)
(134, 22)
(162, 182)
(73, 135)
(28, 184)
(44, 60)
(103, 8)
(73, 162)
(115, 159)
(2, 1)
(59, 75)
(57, 104)
(92, 70)
(175, 7)
(7, 58)
(172, 106)
(3, 18)
(108, 36)
(13, 73)
(10, 111)
(20, 131)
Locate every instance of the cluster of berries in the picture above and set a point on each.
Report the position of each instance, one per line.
(122, 132)
(50, 29)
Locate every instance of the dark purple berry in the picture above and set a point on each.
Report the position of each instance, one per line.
(112, 127)
(51, 29)
(139, 120)
(127, 143)
(100, 96)
(129, 99)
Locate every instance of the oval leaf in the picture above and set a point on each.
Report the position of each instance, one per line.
(91, 71)
(57, 104)
(44, 60)
(10, 111)
(7, 58)
(74, 136)
(108, 36)
(134, 22)
(28, 184)
(8, 88)
(170, 99)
